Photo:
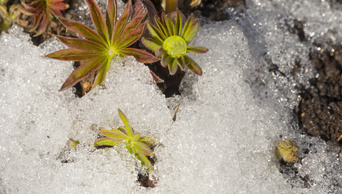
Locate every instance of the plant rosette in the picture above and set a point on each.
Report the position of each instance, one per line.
(96, 49)
(43, 11)
(135, 143)
(171, 40)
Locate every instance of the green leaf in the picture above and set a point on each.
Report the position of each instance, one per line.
(197, 49)
(140, 55)
(73, 143)
(193, 66)
(101, 75)
(143, 149)
(82, 30)
(187, 24)
(81, 44)
(161, 28)
(181, 62)
(190, 32)
(147, 140)
(125, 121)
(145, 161)
(131, 37)
(83, 71)
(173, 67)
(150, 43)
(135, 136)
(111, 16)
(98, 19)
(123, 130)
(105, 141)
(157, 35)
(131, 26)
(168, 60)
(121, 23)
(170, 26)
(3, 11)
(179, 23)
(72, 54)
(129, 148)
(114, 134)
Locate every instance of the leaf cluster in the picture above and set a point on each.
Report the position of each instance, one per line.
(43, 11)
(135, 143)
(171, 39)
(96, 49)
(10, 14)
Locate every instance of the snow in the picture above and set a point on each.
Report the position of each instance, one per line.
(226, 128)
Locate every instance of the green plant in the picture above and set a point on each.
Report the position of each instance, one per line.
(135, 144)
(97, 49)
(43, 11)
(73, 143)
(171, 40)
(9, 16)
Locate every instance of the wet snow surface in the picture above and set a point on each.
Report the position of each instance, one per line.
(226, 129)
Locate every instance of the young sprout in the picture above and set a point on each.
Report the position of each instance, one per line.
(135, 143)
(287, 150)
(43, 11)
(97, 49)
(73, 143)
(171, 40)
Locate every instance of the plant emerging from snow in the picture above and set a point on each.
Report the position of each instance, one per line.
(135, 144)
(287, 150)
(98, 48)
(43, 11)
(171, 40)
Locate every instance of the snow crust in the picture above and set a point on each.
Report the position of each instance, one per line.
(221, 142)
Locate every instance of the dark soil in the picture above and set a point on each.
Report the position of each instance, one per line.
(216, 9)
(320, 110)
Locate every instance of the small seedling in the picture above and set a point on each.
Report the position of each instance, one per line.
(43, 11)
(135, 144)
(171, 40)
(98, 48)
(73, 143)
(287, 150)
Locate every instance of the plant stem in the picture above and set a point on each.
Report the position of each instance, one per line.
(171, 5)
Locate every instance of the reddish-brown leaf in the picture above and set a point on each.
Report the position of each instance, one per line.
(197, 49)
(82, 30)
(111, 16)
(119, 27)
(131, 37)
(72, 54)
(140, 55)
(43, 26)
(83, 71)
(98, 19)
(82, 44)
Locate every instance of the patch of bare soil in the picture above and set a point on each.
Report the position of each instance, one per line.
(320, 110)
